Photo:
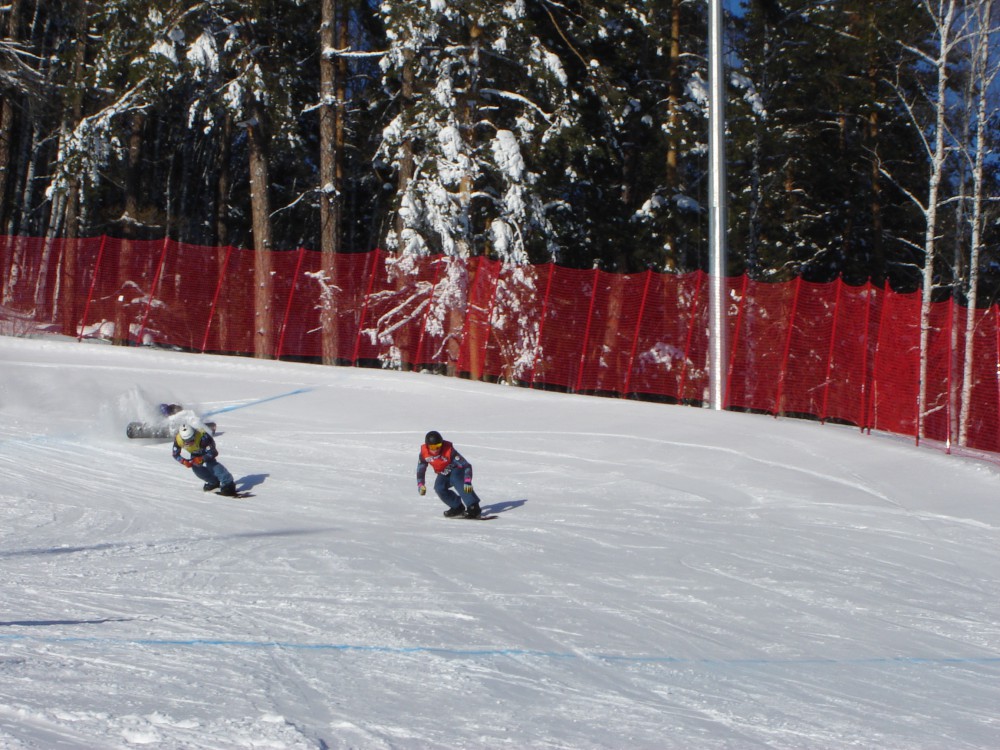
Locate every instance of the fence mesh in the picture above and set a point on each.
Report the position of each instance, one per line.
(829, 351)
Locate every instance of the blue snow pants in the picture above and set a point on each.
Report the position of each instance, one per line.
(212, 472)
(450, 488)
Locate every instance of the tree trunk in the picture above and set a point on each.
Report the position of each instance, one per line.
(123, 318)
(876, 269)
(222, 184)
(877, 264)
(68, 304)
(983, 77)
(674, 84)
(333, 34)
(17, 274)
(7, 108)
(264, 339)
(406, 163)
(6, 129)
(401, 281)
(132, 168)
(469, 115)
(65, 304)
(937, 165)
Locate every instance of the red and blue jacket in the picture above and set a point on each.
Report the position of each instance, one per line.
(445, 461)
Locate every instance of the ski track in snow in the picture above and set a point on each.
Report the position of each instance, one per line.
(658, 577)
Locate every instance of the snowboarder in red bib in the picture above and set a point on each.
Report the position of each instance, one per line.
(200, 450)
(454, 476)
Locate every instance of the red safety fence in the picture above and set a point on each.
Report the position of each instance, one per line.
(827, 351)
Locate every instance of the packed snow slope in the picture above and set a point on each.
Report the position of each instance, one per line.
(657, 576)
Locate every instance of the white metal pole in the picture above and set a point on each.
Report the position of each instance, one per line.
(718, 350)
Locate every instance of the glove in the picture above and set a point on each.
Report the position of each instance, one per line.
(198, 460)
(421, 489)
(185, 462)
(468, 486)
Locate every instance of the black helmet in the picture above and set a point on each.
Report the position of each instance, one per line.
(433, 438)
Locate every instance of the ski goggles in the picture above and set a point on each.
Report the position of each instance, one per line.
(434, 447)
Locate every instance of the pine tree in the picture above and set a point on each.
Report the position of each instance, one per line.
(806, 162)
(478, 92)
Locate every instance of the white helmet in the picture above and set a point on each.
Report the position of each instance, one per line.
(186, 432)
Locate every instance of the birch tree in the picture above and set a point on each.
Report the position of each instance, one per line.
(983, 74)
(932, 99)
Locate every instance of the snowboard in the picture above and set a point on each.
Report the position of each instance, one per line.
(467, 518)
(238, 496)
(158, 431)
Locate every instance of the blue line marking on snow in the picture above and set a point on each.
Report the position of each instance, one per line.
(517, 652)
(234, 407)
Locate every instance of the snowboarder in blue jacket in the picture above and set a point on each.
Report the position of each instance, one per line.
(454, 476)
(195, 449)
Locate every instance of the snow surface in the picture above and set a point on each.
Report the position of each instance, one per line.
(658, 576)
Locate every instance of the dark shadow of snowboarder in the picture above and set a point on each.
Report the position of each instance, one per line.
(247, 483)
(502, 507)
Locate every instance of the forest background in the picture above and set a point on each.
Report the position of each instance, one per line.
(858, 146)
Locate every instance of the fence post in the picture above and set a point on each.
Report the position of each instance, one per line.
(586, 330)
(364, 307)
(93, 282)
(866, 383)
(873, 419)
(152, 290)
(948, 410)
(541, 323)
(918, 417)
(780, 393)
(829, 355)
(635, 336)
(996, 327)
(288, 306)
(215, 298)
